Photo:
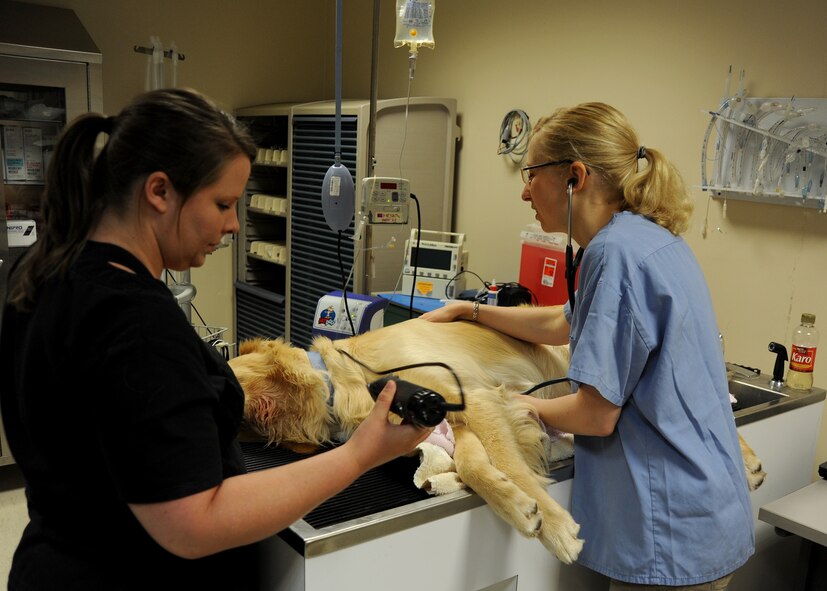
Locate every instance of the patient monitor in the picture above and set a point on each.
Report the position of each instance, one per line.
(432, 267)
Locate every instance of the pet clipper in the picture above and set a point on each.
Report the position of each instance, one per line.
(415, 404)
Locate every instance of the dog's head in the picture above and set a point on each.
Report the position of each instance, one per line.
(285, 398)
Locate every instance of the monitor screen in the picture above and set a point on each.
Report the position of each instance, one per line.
(431, 258)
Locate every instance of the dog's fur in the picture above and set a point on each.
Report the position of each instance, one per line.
(500, 449)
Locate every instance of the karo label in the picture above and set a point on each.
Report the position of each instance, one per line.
(803, 359)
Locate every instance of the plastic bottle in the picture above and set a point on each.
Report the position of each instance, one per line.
(803, 354)
(491, 300)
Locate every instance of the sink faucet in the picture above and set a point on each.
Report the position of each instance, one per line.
(778, 370)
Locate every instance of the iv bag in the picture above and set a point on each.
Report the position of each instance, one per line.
(414, 23)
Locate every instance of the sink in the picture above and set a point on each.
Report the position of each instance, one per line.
(752, 394)
(756, 400)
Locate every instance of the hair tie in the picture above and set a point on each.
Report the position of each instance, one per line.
(641, 152)
(108, 125)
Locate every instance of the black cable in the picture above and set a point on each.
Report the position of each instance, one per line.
(460, 273)
(571, 273)
(344, 282)
(460, 406)
(218, 344)
(546, 383)
(415, 253)
(453, 373)
(514, 145)
(171, 276)
(448, 406)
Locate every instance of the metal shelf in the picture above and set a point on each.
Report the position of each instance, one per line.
(266, 260)
(260, 211)
(817, 203)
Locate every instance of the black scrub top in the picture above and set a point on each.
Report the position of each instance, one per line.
(110, 397)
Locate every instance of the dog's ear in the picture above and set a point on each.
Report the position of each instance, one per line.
(250, 345)
(285, 398)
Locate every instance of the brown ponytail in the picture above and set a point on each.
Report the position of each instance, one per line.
(179, 132)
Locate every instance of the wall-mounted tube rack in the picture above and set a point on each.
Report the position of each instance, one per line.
(767, 150)
(167, 54)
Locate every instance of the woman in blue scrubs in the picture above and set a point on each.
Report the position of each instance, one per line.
(660, 490)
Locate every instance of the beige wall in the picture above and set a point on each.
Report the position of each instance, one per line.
(662, 62)
(241, 53)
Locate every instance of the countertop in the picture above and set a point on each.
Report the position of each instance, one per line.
(803, 512)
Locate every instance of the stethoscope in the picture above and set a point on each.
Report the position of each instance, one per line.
(572, 260)
(572, 263)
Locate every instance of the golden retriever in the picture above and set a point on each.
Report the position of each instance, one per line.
(500, 446)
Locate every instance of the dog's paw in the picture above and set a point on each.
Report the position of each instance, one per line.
(535, 525)
(560, 538)
(529, 522)
(532, 524)
(442, 484)
(754, 470)
(755, 477)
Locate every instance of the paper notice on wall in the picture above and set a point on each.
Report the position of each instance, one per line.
(14, 158)
(33, 152)
(23, 154)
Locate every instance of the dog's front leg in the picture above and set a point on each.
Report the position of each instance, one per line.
(752, 465)
(503, 496)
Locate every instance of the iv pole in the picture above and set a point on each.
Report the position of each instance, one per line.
(374, 93)
(181, 287)
(374, 90)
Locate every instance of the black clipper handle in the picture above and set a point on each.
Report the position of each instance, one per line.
(415, 404)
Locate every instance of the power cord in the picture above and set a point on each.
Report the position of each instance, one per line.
(415, 254)
(460, 406)
(544, 384)
(514, 132)
(451, 280)
(344, 282)
(220, 345)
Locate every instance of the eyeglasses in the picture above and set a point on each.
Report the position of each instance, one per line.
(527, 176)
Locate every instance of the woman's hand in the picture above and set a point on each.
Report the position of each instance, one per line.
(377, 440)
(450, 312)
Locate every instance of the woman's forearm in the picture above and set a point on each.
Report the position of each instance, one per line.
(535, 324)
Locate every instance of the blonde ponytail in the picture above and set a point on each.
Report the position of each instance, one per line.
(599, 136)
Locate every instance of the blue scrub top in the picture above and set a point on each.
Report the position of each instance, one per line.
(664, 499)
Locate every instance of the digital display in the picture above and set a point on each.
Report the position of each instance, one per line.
(388, 185)
(432, 258)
